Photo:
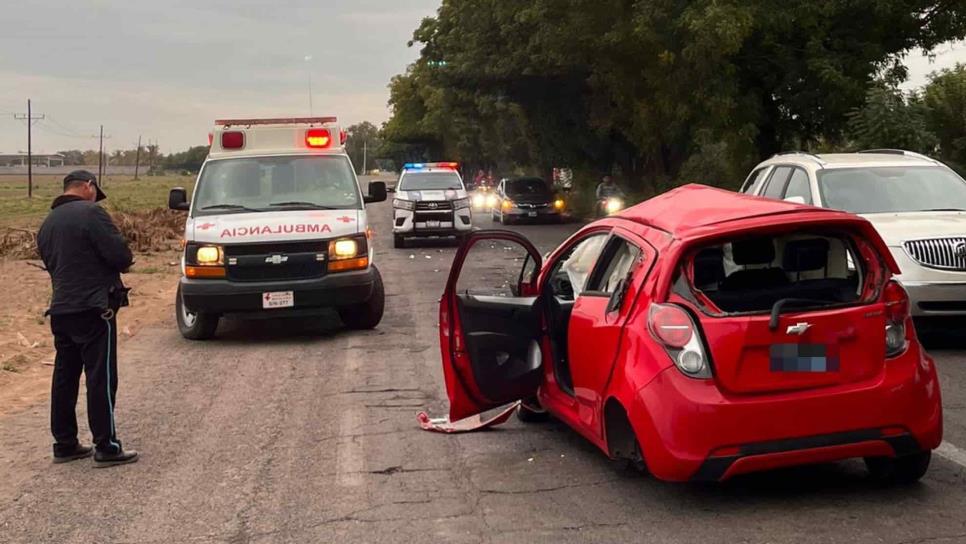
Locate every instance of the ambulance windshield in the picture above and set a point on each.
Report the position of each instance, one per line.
(276, 183)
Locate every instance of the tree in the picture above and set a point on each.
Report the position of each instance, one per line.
(945, 104)
(891, 119)
(364, 139)
(72, 157)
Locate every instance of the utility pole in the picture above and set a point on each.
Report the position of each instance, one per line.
(137, 159)
(100, 158)
(30, 157)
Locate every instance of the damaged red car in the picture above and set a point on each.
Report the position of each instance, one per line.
(701, 334)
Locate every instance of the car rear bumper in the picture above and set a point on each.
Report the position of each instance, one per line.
(936, 298)
(311, 296)
(691, 430)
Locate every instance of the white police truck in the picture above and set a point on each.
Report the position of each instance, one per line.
(277, 227)
(431, 201)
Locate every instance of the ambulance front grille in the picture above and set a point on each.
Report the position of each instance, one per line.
(276, 261)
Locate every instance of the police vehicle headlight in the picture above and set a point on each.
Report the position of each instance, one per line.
(210, 256)
(403, 204)
(461, 203)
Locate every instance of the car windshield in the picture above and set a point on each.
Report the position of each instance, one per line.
(430, 181)
(527, 186)
(276, 183)
(892, 190)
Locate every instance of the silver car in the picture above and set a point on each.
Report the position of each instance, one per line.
(917, 204)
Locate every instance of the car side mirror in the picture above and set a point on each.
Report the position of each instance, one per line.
(377, 192)
(178, 199)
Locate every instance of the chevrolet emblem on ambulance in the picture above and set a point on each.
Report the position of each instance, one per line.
(276, 259)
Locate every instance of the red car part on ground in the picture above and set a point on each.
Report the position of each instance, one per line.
(714, 334)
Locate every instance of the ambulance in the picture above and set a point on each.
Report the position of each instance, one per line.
(277, 227)
(431, 201)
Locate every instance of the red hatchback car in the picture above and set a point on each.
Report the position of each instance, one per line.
(702, 334)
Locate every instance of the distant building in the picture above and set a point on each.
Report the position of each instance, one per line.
(20, 159)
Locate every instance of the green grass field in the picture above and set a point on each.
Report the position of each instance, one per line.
(123, 194)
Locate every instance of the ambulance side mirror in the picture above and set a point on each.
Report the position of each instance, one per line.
(178, 199)
(377, 192)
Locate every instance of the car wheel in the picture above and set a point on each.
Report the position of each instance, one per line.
(899, 470)
(398, 241)
(530, 411)
(369, 313)
(194, 325)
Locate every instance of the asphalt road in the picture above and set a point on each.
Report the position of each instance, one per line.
(289, 432)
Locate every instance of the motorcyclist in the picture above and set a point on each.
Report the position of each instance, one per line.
(607, 189)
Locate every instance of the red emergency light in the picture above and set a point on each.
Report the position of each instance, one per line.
(317, 138)
(232, 140)
(453, 165)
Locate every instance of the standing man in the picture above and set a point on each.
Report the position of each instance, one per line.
(85, 255)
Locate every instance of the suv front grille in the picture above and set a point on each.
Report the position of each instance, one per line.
(276, 261)
(944, 253)
(434, 205)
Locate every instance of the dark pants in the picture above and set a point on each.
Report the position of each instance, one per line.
(85, 342)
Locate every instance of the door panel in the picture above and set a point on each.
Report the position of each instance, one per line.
(489, 334)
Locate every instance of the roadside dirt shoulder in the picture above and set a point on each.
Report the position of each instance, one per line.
(26, 346)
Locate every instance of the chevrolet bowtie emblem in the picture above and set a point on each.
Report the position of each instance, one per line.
(798, 328)
(276, 259)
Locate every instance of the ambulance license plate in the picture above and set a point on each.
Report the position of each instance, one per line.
(278, 299)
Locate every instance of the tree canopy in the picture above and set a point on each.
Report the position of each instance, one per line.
(654, 89)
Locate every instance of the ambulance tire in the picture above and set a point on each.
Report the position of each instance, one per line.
(398, 241)
(368, 314)
(194, 326)
(904, 470)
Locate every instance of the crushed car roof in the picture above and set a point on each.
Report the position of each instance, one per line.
(692, 207)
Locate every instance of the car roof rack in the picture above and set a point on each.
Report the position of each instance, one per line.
(812, 156)
(887, 151)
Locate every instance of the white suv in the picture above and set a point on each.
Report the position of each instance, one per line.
(916, 203)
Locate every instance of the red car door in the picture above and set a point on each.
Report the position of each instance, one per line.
(489, 323)
(598, 318)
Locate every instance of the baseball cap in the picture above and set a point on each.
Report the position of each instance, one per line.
(84, 175)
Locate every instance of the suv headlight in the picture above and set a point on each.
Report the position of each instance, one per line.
(403, 204)
(461, 203)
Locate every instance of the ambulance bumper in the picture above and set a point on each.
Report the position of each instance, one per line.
(311, 296)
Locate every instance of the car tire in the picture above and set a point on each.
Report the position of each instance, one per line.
(530, 411)
(907, 469)
(368, 314)
(398, 241)
(194, 325)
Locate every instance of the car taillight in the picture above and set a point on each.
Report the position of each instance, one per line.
(232, 140)
(674, 329)
(897, 313)
(317, 138)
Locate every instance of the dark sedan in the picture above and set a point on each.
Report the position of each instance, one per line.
(527, 198)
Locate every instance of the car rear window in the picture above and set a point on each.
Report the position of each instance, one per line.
(751, 274)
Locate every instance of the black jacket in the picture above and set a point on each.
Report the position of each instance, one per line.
(84, 254)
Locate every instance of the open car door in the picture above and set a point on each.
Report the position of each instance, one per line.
(489, 326)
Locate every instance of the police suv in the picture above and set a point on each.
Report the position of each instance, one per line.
(431, 200)
(277, 228)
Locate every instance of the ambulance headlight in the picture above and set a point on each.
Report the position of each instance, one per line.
(344, 249)
(403, 204)
(461, 203)
(210, 256)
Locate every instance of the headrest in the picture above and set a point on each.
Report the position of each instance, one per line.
(805, 255)
(709, 266)
(753, 251)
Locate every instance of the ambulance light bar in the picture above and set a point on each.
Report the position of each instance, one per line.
(428, 165)
(279, 121)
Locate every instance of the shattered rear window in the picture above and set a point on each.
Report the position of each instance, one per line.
(751, 274)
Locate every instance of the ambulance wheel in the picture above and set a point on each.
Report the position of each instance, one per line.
(398, 241)
(907, 469)
(369, 313)
(530, 411)
(194, 325)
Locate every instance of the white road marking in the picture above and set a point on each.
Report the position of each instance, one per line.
(951, 453)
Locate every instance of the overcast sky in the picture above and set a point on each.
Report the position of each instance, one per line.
(167, 69)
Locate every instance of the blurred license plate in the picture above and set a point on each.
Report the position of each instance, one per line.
(532, 214)
(278, 299)
(432, 224)
(802, 358)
